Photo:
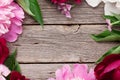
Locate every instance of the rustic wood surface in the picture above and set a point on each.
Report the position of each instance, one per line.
(81, 14)
(62, 41)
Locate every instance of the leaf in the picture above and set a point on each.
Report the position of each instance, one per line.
(32, 8)
(25, 4)
(35, 8)
(107, 35)
(12, 63)
(115, 19)
(116, 16)
(114, 50)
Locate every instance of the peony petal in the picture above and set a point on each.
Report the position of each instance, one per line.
(5, 2)
(64, 73)
(80, 70)
(111, 67)
(16, 29)
(4, 70)
(91, 75)
(116, 75)
(19, 13)
(93, 3)
(111, 8)
(2, 78)
(10, 36)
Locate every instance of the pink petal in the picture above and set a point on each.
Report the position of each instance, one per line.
(116, 75)
(19, 13)
(109, 24)
(80, 70)
(16, 29)
(5, 2)
(111, 67)
(10, 36)
(91, 75)
(2, 78)
(4, 70)
(64, 73)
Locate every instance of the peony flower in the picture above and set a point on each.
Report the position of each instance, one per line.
(79, 72)
(11, 16)
(17, 76)
(109, 68)
(111, 6)
(65, 9)
(4, 51)
(4, 72)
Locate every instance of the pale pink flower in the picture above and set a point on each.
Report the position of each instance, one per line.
(109, 24)
(65, 9)
(4, 72)
(79, 72)
(11, 16)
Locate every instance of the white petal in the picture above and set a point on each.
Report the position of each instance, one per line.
(93, 3)
(118, 5)
(2, 78)
(111, 1)
(111, 8)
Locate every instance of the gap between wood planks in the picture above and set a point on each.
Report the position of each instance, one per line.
(54, 44)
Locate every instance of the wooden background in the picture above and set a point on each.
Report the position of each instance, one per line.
(63, 41)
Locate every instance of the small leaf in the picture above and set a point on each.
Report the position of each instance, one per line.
(12, 63)
(35, 8)
(107, 35)
(115, 19)
(114, 50)
(32, 8)
(117, 16)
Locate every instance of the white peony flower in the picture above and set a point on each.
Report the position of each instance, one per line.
(111, 6)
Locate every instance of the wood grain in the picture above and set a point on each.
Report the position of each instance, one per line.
(41, 71)
(81, 14)
(60, 43)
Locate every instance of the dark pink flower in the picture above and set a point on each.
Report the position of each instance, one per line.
(109, 68)
(4, 51)
(65, 9)
(17, 76)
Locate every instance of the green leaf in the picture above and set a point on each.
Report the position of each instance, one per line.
(25, 4)
(116, 16)
(35, 8)
(112, 18)
(32, 8)
(115, 19)
(12, 63)
(114, 50)
(107, 35)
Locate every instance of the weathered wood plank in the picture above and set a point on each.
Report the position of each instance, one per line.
(81, 14)
(41, 71)
(60, 43)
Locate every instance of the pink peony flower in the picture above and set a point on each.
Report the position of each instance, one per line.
(11, 16)
(79, 72)
(4, 72)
